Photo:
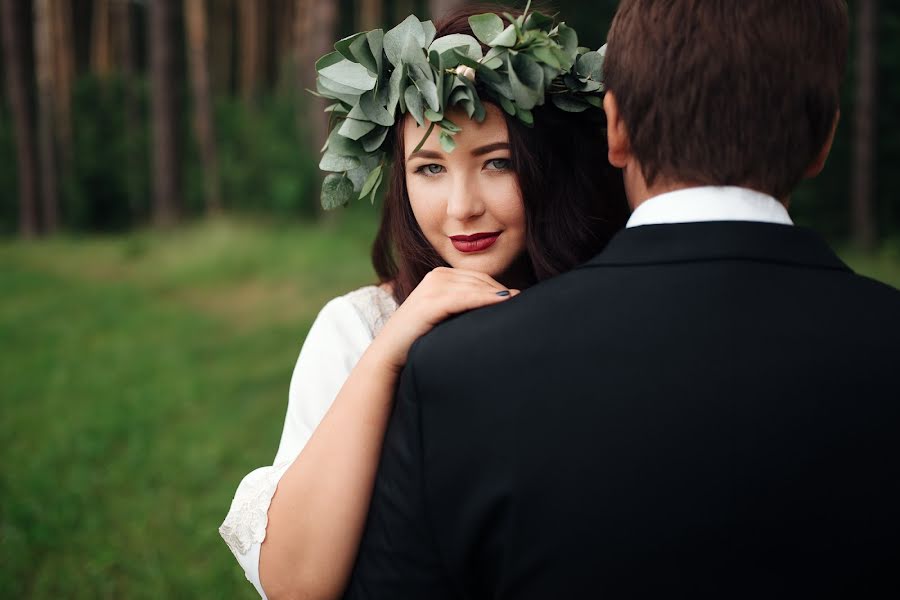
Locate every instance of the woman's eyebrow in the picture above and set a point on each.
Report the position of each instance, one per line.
(424, 154)
(490, 148)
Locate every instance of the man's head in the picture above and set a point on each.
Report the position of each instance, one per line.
(724, 92)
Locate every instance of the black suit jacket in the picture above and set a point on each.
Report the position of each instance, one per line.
(703, 409)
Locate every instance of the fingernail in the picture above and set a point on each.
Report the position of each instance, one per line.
(503, 293)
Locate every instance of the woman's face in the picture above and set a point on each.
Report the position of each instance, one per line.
(468, 201)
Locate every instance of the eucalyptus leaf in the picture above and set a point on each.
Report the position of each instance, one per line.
(463, 59)
(414, 104)
(507, 38)
(332, 58)
(568, 39)
(375, 111)
(337, 163)
(447, 142)
(526, 116)
(353, 129)
(546, 55)
(337, 191)
(590, 65)
(362, 54)
(371, 182)
(329, 89)
(339, 144)
(432, 116)
(486, 27)
(376, 186)
(349, 74)
(569, 104)
(374, 139)
(395, 39)
(508, 106)
(465, 44)
(448, 125)
(538, 21)
(394, 92)
(594, 101)
(428, 32)
(376, 45)
(429, 93)
(343, 45)
(526, 77)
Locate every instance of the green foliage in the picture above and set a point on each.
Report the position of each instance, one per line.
(373, 75)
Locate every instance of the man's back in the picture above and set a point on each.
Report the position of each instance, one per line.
(703, 408)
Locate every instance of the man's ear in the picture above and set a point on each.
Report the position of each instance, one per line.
(616, 135)
(819, 162)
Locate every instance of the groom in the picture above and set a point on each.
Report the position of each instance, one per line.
(711, 406)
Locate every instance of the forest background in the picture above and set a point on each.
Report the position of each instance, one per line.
(162, 255)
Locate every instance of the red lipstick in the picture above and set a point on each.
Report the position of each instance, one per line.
(476, 242)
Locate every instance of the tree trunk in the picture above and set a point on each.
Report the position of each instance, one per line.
(43, 54)
(166, 197)
(439, 8)
(250, 54)
(221, 45)
(370, 15)
(63, 73)
(324, 24)
(21, 114)
(195, 20)
(865, 131)
(101, 53)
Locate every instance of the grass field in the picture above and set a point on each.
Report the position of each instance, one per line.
(142, 376)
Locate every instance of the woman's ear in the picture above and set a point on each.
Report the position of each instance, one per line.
(616, 134)
(819, 162)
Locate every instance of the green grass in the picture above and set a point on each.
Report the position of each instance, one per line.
(142, 376)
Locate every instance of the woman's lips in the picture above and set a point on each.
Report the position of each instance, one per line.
(476, 242)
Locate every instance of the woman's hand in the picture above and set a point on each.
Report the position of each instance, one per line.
(442, 293)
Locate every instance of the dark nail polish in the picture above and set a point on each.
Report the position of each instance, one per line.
(503, 293)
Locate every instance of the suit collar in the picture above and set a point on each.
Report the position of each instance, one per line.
(724, 240)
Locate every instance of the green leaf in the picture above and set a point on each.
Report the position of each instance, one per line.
(337, 191)
(428, 32)
(429, 92)
(339, 144)
(525, 116)
(414, 104)
(362, 54)
(507, 38)
(376, 45)
(448, 125)
(526, 78)
(432, 116)
(447, 142)
(590, 65)
(594, 101)
(546, 55)
(373, 140)
(465, 44)
(336, 163)
(538, 21)
(394, 92)
(371, 182)
(349, 74)
(508, 106)
(396, 39)
(486, 27)
(375, 111)
(353, 129)
(343, 45)
(376, 186)
(568, 39)
(569, 104)
(332, 58)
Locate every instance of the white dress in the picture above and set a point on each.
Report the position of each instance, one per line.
(340, 334)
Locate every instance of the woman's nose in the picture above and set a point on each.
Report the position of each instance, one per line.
(465, 201)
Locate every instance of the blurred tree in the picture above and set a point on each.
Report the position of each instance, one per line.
(17, 92)
(221, 45)
(251, 16)
(64, 73)
(166, 193)
(865, 117)
(101, 42)
(370, 15)
(44, 55)
(195, 20)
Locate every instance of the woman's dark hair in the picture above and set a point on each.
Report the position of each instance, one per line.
(574, 200)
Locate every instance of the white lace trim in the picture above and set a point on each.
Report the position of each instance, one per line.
(245, 524)
(375, 306)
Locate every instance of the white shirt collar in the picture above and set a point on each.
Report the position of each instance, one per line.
(693, 205)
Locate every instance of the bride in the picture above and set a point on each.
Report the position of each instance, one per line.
(476, 213)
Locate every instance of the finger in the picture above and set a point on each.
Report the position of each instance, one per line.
(483, 277)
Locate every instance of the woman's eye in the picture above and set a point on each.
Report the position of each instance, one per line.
(431, 169)
(498, 164)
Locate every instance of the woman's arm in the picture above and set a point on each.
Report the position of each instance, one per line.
(317, 515)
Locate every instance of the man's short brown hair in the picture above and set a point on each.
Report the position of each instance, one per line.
(728, 92)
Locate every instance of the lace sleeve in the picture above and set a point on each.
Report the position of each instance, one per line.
(332, 348)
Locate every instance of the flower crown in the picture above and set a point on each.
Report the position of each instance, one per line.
(374, 77)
